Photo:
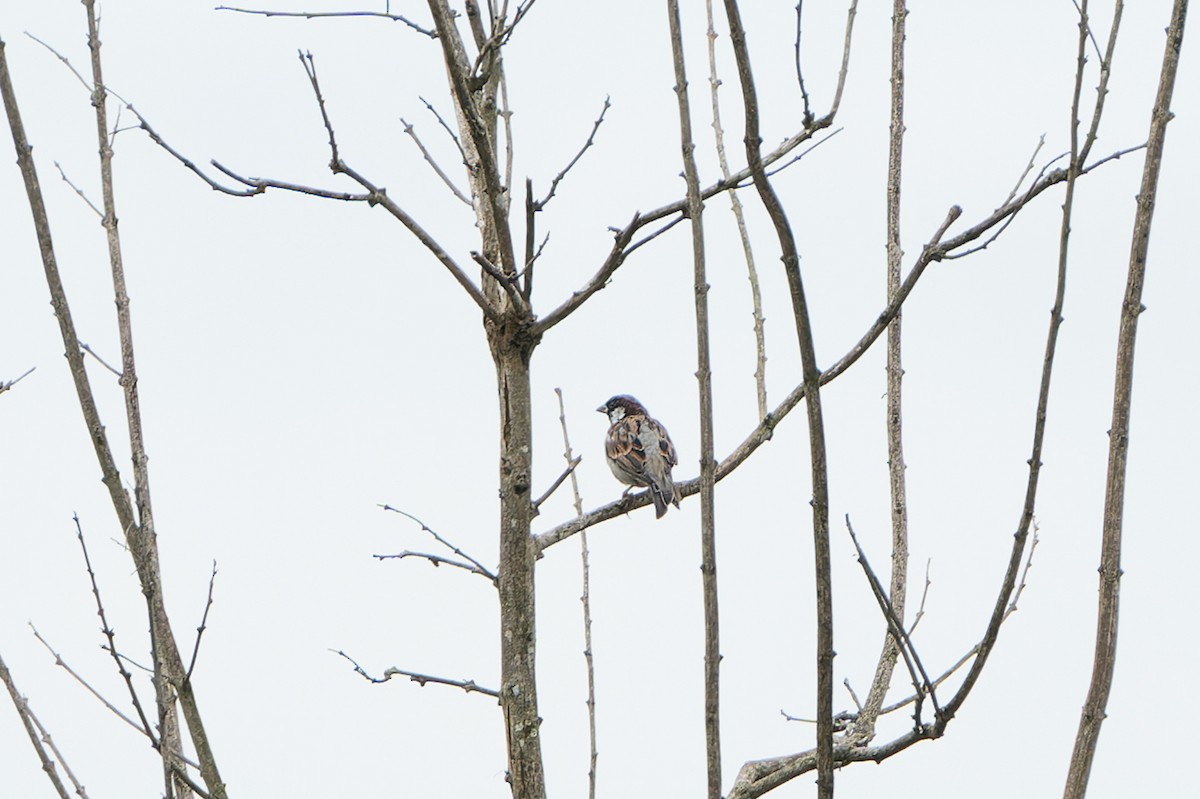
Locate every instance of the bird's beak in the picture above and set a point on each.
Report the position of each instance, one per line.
(602, 409)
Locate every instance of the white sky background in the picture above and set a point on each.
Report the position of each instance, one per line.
(302, 361)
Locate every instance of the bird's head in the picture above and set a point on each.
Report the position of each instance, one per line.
(620, 406)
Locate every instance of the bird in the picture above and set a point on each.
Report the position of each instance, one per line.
(640, 452)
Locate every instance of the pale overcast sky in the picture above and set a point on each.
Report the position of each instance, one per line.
(302, 361)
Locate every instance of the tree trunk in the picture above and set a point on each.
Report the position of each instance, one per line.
(511, 349)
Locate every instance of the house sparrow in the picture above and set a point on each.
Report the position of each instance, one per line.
(640, 452)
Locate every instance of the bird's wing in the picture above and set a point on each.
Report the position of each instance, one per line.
(664, 442)
(625, 447)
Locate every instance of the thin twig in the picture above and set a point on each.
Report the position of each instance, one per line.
(190, 164)
(1102, 86)
(260, 185)
(449, 131)
(925, 595)
(426, 528)
(80, 791)
(897, 484)
(739, 216)
(6, 385)
(65, 666)
(20, 702)
(438, 560)
(83, 346)
(819, 475)
(310, 69)
(470, 686)
(318, 14)
(173, 694)
(77, 190)
(502, 34)
(1104, 658)
(585, 599)
(973, 651)
(934, 250)
(61, 663)
(797, 157)
(1020, 536)
(1087, 26)
(457, 192)
(487, 184)
(758, 777)
(904, 644)
(507, 282)
(708, 533)
(1025, 173)
(506, 118)
(378, 195)
(203, 621)
(109, 633)
(567, 472)
(853, 696)
(808, 115)
(591, 139)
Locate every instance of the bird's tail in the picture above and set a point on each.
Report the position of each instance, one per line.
(663, 492)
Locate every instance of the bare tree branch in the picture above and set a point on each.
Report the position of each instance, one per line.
(5, 385)
(922, 685)
(1104, 660)
(438, 560)
(935, 250)
(80, 791)
(203, 622)
(509, 284)
(920, 614)
(321, 14)
(168, 665)
(1102, 87)
(708, 531)
(20, 702)
(101, 361)
(812, 376)
(591, 139)
(864, 727)
(449, 132)
(760, 345)
(808, 115)
(479, 567)
(77, 190)
(62, 663)
(470, 686)
(679, 206)
(457, 192)
(379, 195)
(109, 634)
(586, 599)
(567, 472)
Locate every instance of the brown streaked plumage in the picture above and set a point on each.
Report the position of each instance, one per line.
(640, 452)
